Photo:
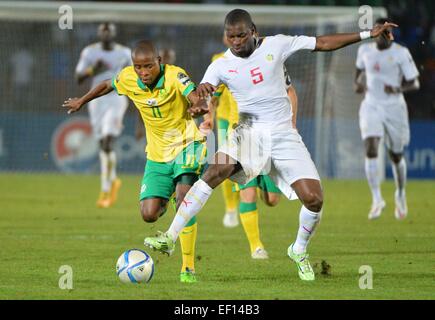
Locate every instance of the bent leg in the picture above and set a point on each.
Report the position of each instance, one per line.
(310, 193)
(152, 208)
(198, 195)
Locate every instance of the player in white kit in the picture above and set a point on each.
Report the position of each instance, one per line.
(101, 61)
(389, 71)
(265, 139)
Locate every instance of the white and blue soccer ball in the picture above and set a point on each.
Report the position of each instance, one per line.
(135, 266)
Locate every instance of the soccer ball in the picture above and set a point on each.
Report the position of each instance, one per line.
(135, 266)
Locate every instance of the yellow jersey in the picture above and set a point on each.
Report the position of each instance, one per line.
(169, 127)
(227, 107)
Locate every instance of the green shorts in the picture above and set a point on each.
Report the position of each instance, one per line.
(160, 178)
(264, 182)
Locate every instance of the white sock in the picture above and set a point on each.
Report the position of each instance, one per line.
(399, 173)
(308, 221)
(371, 168)
(191, 205)
(104, 162)
(112, 166)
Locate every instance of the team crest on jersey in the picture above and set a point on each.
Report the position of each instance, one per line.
(151, 102)
(183, 78)
(269, 57)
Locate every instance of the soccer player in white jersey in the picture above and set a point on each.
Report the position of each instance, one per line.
(265, 138)
(101, 61)
(389, 71)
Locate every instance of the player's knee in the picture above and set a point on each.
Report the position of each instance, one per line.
(313, 202)
(149, 213)
(272, 201)
(372, 153)
(395, 157)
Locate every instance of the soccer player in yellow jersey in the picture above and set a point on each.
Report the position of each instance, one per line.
(166, 99)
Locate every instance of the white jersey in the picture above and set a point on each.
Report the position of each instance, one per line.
(115, 59)
(385, 67)
(258, 83)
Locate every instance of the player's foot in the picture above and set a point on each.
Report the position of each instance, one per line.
(304, 267)
(230, 219)
(188, 276)
(116, 185)
(260, 253)
(401, 210)
(104, 200)
(376, 210)
(162, 242)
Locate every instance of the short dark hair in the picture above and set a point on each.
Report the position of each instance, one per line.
(145, 46)
(382, 20)
(239, 15)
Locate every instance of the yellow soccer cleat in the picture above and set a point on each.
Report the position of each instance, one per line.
(104, 200)
(116, 185)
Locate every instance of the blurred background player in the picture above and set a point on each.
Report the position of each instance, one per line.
(166, 99)
(101, 61)
(389, 71)
(225, 107)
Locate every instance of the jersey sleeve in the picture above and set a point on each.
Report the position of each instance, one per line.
(212, 75)
(84, 61)
(119, 82)
(407, 65)
(292, 44)
(359, 59)
(184, 83)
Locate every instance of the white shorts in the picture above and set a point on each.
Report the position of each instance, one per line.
(107, 114)
(389, 120)
(280, 154)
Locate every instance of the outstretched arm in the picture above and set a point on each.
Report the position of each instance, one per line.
(340, 40)
(74, 104)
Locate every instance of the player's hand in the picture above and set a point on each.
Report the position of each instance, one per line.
(359, 88)
(197, 111)
(206, 126)
(382, 29)
(205, 89)
(72, 104)
(391, 90)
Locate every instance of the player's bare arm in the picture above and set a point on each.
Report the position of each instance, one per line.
(291, 92)
(340, 40)
(406, 86)
(74, 104)
(198, 105)
(359, 85)
(208, 123)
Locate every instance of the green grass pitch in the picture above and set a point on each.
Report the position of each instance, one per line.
(47, 221)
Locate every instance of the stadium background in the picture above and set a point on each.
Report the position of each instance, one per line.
(38, 67)
(48, 219)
